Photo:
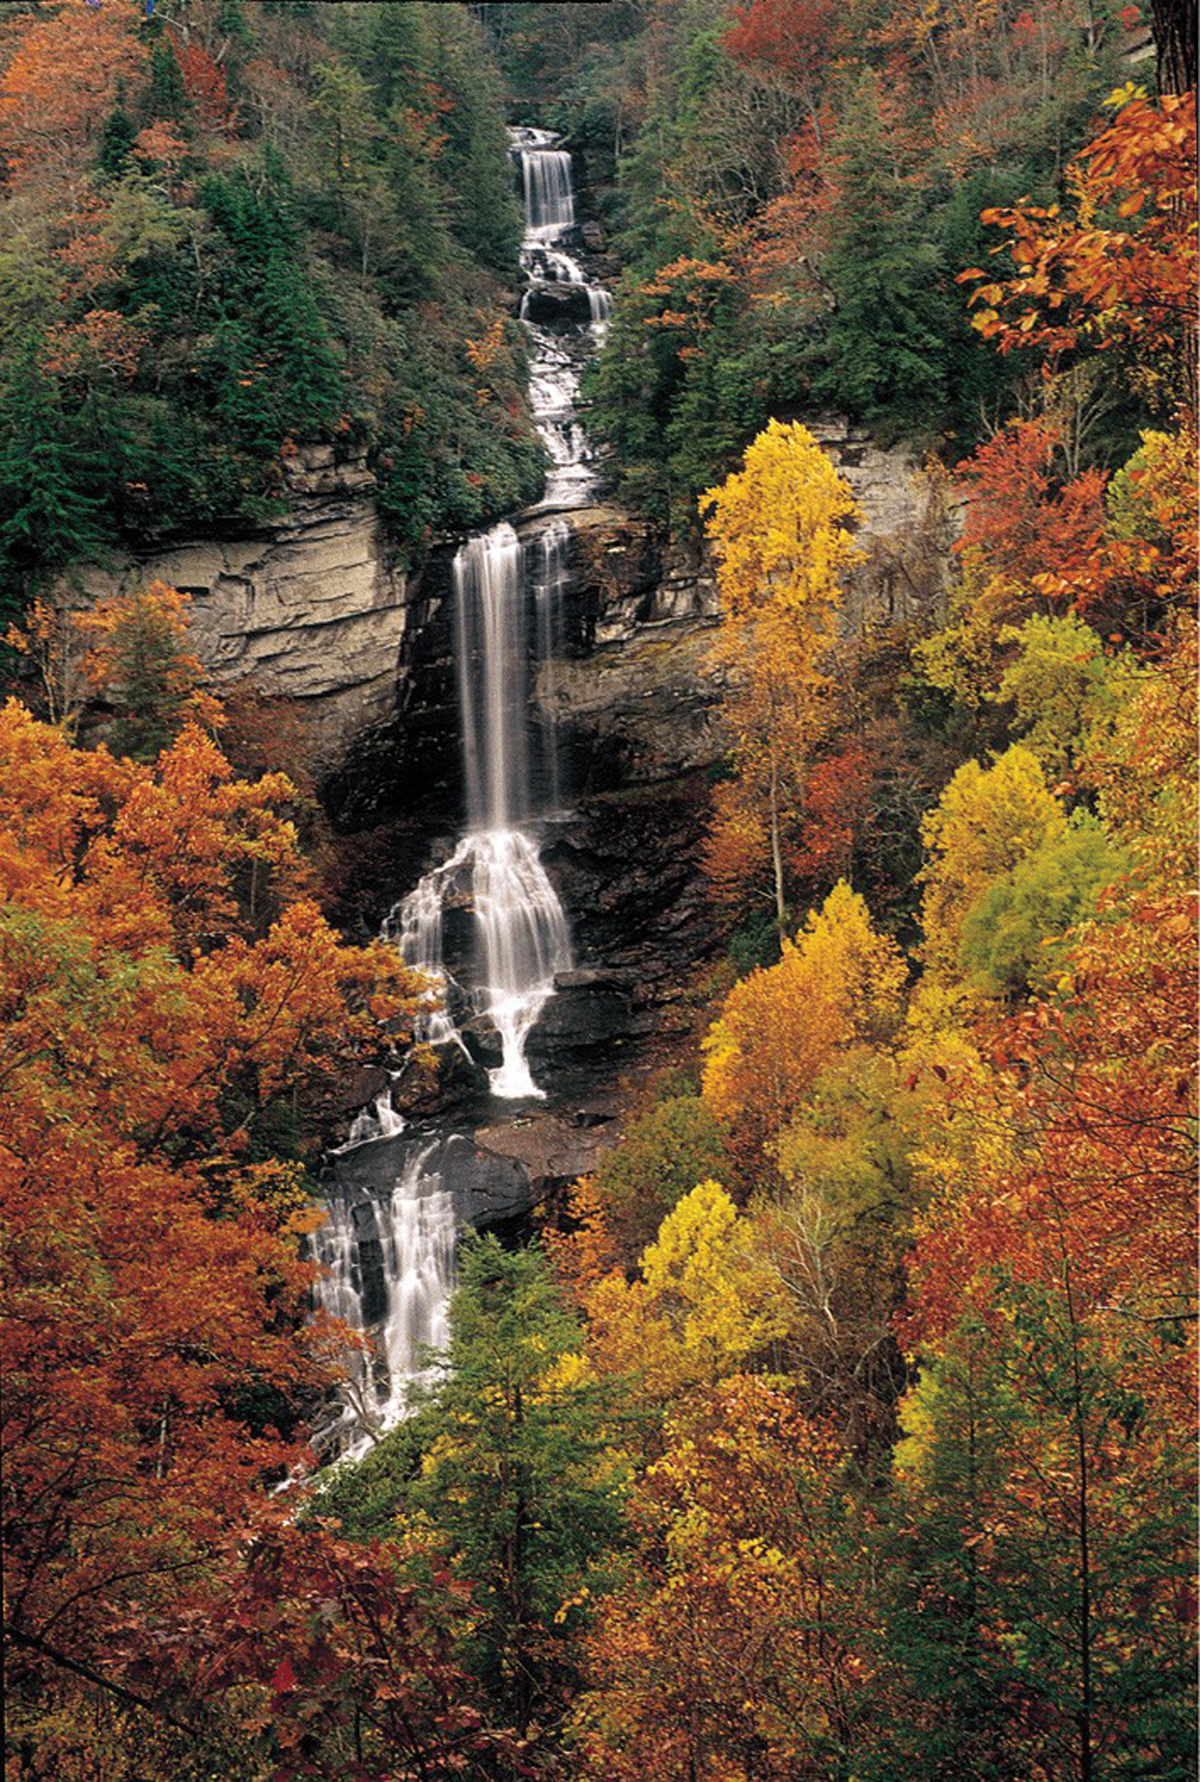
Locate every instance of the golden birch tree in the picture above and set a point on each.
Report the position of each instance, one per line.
(777, 527)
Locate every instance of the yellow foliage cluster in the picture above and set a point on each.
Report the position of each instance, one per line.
(837, 984)
(986, 820)
(705, 1301)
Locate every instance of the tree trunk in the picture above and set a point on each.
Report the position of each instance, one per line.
(777, 851)
(1175, 45)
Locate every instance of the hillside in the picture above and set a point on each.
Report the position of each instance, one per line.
(598, 953)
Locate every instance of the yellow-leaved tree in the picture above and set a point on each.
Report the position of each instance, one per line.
(777, 527)
(987, 820)
(838, 984)
(705, 1303)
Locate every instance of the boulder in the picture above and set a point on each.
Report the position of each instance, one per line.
(556, 301)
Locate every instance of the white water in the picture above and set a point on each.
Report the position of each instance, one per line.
(546, 182)
(417, 1232)
(549, 592)
(380, 1120)
(521, 935)
(554, 380)
(508, 599)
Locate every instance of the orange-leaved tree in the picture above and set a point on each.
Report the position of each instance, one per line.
(62, 79)
(730, 1651)
(170, 1005)
(1118, 266)
(837, 985)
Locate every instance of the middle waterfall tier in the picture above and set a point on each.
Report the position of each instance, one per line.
(500, 973)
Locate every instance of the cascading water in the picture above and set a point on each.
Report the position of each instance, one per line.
(549, 590)
(521, 936)
(546, 181)
(520, 931)
(413, 1236)
(508, 595)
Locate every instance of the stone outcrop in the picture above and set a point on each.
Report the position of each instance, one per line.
(489, 1187)
(305, 606)
(308, 607)
(905, 532)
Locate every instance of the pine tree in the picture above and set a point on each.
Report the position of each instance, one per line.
(520, 1480)
(49, 514)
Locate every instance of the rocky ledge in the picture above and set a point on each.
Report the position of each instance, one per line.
(305, 606)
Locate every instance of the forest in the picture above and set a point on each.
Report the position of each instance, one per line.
(839, 1425)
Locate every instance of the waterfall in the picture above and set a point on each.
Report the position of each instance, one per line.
(489, 600)
(486, 925)
(412, 1236)
(380, 1120)
(549, 590)
(510, 773)
(520, 931)
(546, 179)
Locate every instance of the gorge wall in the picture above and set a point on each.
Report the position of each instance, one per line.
(311, 606)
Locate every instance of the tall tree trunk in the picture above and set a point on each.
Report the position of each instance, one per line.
(1175, 45)
(777, 850)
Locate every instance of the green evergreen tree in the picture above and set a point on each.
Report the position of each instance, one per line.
(50, 512)
(118, 137)
(168, 94)
(886, 336)
(1039, 1560)
(520, 1480)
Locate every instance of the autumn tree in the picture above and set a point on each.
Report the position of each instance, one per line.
(730, 1651)
(777, 528)
(164, 990)
(62, 79)
(1127, 283)
(837, 984)
(986, 821)
(141, 666)
(1067, 689)
(836, 1233)
(703, 1305)
(1019, 515)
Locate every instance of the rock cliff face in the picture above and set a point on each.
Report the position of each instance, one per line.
(309, 607)
(305, 606)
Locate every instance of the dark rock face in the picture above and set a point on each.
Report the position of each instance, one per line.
(488, 1189)
(555, 302)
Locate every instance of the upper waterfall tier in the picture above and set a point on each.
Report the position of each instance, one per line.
(546, 176)
(558, 298)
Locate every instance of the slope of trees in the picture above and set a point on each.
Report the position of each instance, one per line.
(233, 230)
(842, 1425)
(796, 190)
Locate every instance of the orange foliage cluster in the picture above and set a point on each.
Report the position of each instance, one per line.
(61, 81)
(1014, 516)
(204, 83)
(1082, 280)
(165, 983)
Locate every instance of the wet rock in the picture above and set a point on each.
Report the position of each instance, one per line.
(482, 1041)
(549, 1149)
(488, 1188)
(556, 302)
